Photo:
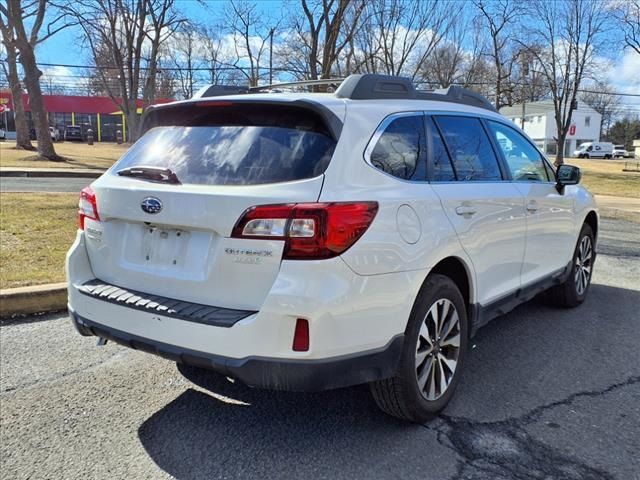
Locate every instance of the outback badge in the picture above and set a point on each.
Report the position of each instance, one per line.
(151, 205)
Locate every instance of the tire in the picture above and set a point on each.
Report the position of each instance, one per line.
(574, 290)
(401, 396)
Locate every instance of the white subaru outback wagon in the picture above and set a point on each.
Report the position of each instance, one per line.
(305, 241)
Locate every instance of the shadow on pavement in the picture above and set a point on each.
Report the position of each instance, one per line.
(271, 434)
(529, 358)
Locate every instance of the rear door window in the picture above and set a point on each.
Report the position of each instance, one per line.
(470, 149)
(400, 149)
(236, 145)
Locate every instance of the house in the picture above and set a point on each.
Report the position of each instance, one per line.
(540, 125)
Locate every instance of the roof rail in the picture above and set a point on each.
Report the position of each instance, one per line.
(377, 87)
(366, 86)
(301, 83)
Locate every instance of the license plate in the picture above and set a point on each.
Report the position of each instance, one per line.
(164, 246)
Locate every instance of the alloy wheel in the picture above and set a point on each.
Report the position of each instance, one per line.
(584, 262)
(437, 349)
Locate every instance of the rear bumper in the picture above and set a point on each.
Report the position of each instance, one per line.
(272, 373)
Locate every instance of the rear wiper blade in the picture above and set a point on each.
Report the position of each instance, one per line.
(156, 174)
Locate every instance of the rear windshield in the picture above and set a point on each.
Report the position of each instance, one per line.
(236, 146)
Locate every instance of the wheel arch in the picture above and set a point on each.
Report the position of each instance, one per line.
(592, 220)
(461, 274)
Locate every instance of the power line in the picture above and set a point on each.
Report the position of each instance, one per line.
(285, 70)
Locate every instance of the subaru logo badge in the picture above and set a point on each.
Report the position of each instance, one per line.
(151, 205)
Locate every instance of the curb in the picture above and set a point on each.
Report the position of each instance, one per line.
(29, 300)
(52, 173)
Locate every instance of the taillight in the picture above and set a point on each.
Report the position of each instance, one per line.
(311, 231)
(87, 206)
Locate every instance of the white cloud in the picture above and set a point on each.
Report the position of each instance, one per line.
(625, 73)
(625, 78)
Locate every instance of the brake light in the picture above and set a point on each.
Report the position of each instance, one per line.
(311, 231)
(87, 206)
(215, 103)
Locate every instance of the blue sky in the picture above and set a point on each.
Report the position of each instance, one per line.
(56, 49)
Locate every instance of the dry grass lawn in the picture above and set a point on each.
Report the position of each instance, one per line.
(605, 177)
(77, 155)
(36, 230)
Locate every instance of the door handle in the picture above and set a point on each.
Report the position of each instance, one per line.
(532, 206)
(465, 210)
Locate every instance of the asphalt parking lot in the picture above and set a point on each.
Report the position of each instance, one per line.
(547, 394)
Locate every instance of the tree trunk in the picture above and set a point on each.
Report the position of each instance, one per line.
(38, 113)
(22, 129)
(562, 136)
(133, 121)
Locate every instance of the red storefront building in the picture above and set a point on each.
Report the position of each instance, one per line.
(100, 114)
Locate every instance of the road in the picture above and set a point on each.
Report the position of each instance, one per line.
(43, 184)
(547, 393)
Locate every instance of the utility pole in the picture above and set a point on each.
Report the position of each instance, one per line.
(271, 56)
(524, 72)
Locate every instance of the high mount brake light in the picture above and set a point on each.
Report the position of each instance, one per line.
(214, 103)
(311, 231)
(87, 206)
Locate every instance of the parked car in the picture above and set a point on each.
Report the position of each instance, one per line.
(314, 241)
(73, 133)
(594, 150)
(55, 134)
(620, 152)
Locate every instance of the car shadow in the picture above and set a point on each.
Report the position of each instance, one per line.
(513, 366)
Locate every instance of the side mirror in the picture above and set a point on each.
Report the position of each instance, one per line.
(567, 175)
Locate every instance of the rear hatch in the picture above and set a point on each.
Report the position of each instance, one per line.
(168, 207)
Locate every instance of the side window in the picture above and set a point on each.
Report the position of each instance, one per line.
(471, 152)
(523, 159)
(440, 168)
(400, 150)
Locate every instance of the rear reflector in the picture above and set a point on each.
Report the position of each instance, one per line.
(87, 206)
(311, 231)
(301, 336)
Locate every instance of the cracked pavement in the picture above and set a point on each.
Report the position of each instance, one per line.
(546, 394)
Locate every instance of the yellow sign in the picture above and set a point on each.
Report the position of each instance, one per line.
(4, 101)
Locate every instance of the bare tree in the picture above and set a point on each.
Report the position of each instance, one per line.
(450, 63)
(500, 18)
(250, 38)
(163, 21)
(23, 40)
(601, 98)
(130, 32)
(11, 71)
(628, 12)
(321, 35)
(212, 53)
(408, 33)
(570, 31)
(183, 54)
